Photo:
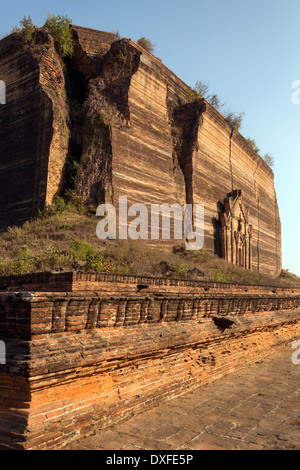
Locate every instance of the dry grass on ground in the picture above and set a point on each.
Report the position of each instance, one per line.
(64, 238)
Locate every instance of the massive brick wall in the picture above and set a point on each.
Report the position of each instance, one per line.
(103, 349)
(220, 151)
(134, 134)
(193, 144)
(33, 131)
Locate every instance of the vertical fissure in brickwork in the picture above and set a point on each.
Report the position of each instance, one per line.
(106, 107)
(230, 159)
(185, 122)
(76, 90)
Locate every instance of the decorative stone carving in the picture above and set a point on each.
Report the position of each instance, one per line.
(236, 232)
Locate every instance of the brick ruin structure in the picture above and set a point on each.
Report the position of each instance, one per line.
(90, 350)
(122, 119)
(79, 351)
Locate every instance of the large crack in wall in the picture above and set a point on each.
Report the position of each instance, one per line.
(105, 106)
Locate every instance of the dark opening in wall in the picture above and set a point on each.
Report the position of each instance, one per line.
(76, 91)
(76, 86)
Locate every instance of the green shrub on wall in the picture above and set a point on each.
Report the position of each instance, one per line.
(59, 28)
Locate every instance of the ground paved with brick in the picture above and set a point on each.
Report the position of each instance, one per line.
(256, 407)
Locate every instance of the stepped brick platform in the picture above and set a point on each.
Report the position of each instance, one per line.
(87, 350)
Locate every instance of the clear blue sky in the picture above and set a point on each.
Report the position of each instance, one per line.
(249, 51)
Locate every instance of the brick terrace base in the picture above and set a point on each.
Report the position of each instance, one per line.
(92, 350)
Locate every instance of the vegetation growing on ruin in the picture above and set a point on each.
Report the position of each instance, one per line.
(267, 157)
(96, 131)
(26, 30)
(59, 28)
(253, 144)
(70, 172)
(63, 237)
(201, 90)
(234, 119)
(146, 44)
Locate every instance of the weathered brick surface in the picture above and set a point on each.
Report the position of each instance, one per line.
(255, 408)
(130, 284)
(33, 129)
(77, 359)
(135, 135)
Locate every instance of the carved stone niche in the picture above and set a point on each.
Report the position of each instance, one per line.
(235, 231)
